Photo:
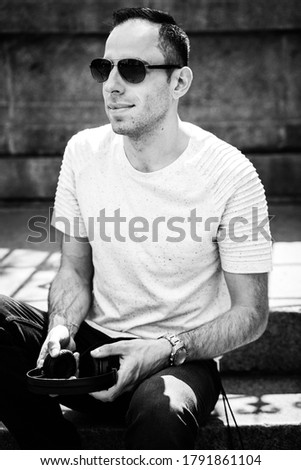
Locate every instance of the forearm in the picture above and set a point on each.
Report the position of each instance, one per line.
(236, 327)
(69, 300)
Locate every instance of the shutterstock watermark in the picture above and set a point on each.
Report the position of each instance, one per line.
(117, 227)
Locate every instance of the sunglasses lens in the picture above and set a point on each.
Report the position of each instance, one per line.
(132, 70)
(100, 69)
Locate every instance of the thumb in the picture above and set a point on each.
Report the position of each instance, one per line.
(106, 350)
(58, 337)
(54, 347)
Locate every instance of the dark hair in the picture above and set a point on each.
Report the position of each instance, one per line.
(173, 41)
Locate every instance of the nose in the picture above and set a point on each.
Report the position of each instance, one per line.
(114, 84)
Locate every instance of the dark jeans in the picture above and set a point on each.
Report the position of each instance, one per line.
(163, 412)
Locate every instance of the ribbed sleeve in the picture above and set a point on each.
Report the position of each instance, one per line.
(67, 216)
(243, 238)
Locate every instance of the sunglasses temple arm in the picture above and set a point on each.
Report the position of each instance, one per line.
(163, 66)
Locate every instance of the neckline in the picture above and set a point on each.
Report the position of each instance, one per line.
(146, 175)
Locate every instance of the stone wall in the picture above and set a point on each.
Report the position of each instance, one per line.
(246, 60)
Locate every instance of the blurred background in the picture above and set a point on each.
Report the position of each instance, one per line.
(246, 60)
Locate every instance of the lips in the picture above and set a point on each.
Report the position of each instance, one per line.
(120, 106)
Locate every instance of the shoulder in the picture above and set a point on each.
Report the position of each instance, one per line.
(87, 146)
(218, 159)
(226, 170)
(92, 139)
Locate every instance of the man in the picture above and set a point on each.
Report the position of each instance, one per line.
(160, 265)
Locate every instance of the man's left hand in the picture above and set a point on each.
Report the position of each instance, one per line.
(139, 358)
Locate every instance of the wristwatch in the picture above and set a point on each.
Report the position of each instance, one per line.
(178, 353)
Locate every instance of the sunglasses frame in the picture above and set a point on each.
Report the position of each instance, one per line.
(93, 67)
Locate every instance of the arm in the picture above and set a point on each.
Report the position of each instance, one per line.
(70, 296)
(244, 322)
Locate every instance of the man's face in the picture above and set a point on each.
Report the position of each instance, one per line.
(139, 109)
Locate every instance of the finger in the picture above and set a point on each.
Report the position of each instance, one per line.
(42, 355)
(106, 395)
(112, 393)
(49, 346)
(58, 337)
(76, 356)
(106, 350)
(54, 347)
(122, 385)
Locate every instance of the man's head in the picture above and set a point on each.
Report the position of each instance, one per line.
(140, 107)
(172, 40)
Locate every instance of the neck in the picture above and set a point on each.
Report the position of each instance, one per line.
(155, 151)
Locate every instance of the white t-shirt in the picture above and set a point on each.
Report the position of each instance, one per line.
(161, 240)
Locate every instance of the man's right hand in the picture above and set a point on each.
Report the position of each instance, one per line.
(58, 338)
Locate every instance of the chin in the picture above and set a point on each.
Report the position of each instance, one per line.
(121, 128)
(132, 129)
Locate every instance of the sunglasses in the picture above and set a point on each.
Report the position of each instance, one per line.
(132, 70)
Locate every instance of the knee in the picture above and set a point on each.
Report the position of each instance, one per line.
(4, 303)
(10, 333)
(5, 337)
(153, 400)
(157, 417)
(4, 310)
(7, 309)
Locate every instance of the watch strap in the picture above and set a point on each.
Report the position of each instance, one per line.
(176, 344)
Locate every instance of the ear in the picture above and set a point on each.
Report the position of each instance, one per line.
(180, 82)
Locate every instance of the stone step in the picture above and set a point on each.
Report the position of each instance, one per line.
(267, 410)
(277, 351)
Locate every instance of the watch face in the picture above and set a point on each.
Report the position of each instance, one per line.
(180, 356)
